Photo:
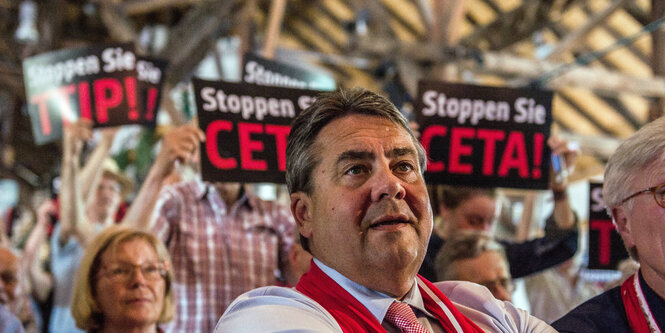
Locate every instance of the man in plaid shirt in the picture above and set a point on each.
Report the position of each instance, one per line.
(223, 240)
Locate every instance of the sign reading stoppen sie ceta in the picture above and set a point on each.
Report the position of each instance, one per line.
(485, 136)
(100, 83)
(265, 72)
(246, 127)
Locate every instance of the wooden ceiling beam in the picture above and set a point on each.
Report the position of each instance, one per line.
(516, 25)
(141, 7)
(324, 32)
(612, 100)
(637, 13)
(275, 18)
(397, 16)
(333, 66)
(508, 65)
(425, 11)
(657, 108)
(193, 33)
(576, 37)
(639, 53)
(118, 24)
(447, 16)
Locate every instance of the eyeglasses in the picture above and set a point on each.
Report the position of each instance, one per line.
(122, 272)
(658, 194)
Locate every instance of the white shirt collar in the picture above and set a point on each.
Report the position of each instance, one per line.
(376, 302)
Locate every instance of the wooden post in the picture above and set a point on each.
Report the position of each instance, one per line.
(274, 24)
(246, 27)
(658, 56)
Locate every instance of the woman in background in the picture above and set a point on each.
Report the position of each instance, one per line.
(123, 283)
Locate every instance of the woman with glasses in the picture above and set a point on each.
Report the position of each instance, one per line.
(123, 283)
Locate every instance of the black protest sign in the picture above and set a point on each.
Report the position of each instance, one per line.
(485, 136)
(246, 127)
(150, 77)
(98, 83)
(265, 72)
(606, 248)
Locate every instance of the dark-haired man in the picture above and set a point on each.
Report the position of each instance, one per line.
(355, 174)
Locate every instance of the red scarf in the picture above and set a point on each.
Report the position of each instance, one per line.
(638, 312)
(352, 316)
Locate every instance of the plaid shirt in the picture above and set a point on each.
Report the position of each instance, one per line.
(218, 252)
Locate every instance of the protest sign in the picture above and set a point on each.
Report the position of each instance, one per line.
(264, 72)
(246, 127)
(606, 248)
(485, 136)
(150, 77)
(98, 83)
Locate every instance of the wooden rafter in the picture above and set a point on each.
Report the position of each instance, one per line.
(509, 65)
(575, 37)
(513, 26)
(447, 17)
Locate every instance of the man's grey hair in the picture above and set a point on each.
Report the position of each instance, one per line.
(629, 163)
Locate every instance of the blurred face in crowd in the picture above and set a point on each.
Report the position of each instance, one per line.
(488, 269)
(477, 213)
(130, 286)
(229, 191)
(107, 197)
(642, 226)
(368, 215)
(8, 276)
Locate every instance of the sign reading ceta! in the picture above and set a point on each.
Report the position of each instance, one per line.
(485, 136)
(246, 127)
(108, 84)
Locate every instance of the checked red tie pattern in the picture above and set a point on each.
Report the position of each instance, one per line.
(401, 315)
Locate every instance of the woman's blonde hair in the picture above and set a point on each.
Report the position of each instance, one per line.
(85, 308)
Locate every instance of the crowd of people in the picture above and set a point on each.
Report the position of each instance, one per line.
(363, 245)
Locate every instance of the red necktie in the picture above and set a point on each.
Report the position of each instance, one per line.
(401, 315)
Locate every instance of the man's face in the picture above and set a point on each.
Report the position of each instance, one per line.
(488, 269)
(643, 227)
(8, 276)
(477, 213)
(108, 195)
(368, 216)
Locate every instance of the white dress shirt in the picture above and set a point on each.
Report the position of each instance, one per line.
(279, 309)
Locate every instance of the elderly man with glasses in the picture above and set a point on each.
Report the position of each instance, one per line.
(634, 193)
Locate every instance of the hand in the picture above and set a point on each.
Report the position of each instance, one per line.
(570, 154)
(180, 144)
(568, 150)
(74, 134)
(45, 211)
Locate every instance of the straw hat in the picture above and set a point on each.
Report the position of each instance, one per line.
(110, 168)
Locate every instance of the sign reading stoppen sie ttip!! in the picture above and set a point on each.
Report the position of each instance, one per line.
(485, 136)
(150, 77)
(98, 83)
(246, 127)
